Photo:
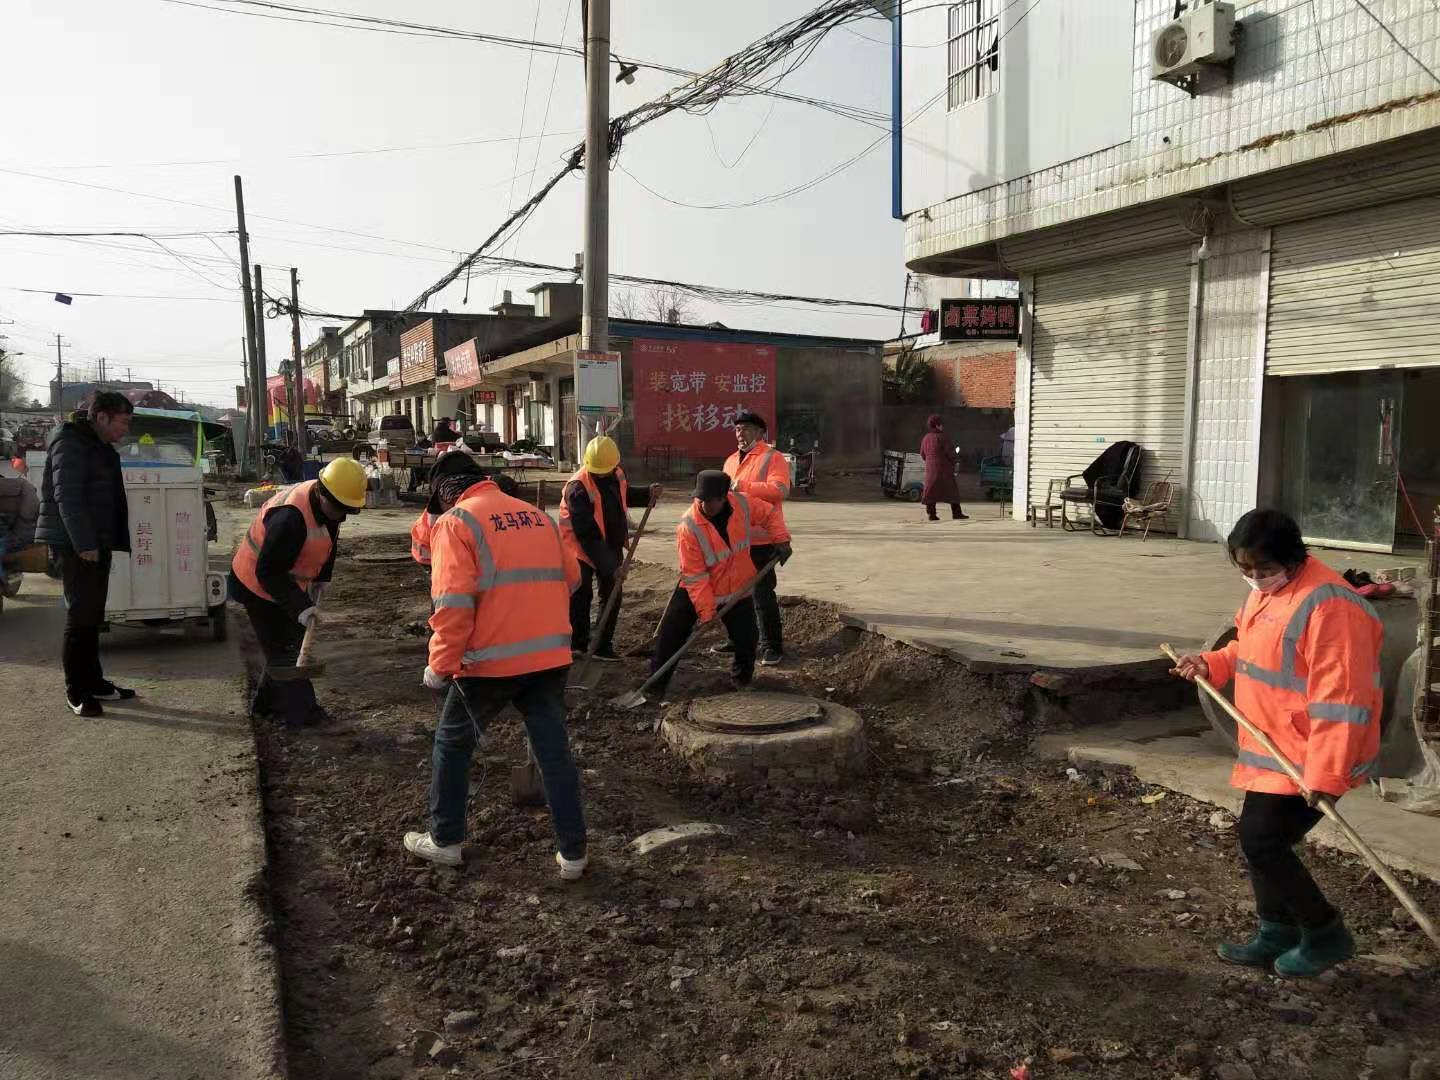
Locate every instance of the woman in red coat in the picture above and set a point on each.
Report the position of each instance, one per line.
(940, 485)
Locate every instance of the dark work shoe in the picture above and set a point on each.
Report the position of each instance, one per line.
(87, 707)
(609, 656)
(1268, 944)
(1318, 951)
(771, 657)
(110, 692)
(961, 516)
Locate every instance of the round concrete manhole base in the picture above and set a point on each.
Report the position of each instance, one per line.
(768, 738)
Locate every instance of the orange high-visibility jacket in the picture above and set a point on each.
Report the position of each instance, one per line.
(313, 556)
(567, 530)
(713, 568)
(1307, 673)
(500, 582)
(763, 475)
(420, 537)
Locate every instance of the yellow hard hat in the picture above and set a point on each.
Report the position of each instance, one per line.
(147, 439)
(602, 456)
(345, 479)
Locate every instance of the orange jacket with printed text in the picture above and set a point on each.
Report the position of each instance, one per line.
(1306, 666)
(313, 555)
(714, 568)
(763, 474)
(500, 582)
(585, 480)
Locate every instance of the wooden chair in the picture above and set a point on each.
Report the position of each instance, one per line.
(1155, 505)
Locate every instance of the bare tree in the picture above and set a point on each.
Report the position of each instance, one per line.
(12, 383)
(654, 303)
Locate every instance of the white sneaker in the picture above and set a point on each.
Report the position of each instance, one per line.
(420, 844)
(571, 869)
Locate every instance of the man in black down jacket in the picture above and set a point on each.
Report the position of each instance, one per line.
(84, 517)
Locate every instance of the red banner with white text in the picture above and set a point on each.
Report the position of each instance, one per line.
(687, 393)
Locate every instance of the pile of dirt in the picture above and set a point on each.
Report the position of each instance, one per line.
(960, 911)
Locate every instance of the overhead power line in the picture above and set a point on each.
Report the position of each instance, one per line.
(140, 235)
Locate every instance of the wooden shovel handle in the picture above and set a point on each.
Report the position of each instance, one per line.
(1325, 805)
(303, 659)
(614, 600)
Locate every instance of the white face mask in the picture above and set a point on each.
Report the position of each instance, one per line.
(1268, 584)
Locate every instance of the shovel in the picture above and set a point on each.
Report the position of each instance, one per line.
(1324, 805)
(526, 788)
(580, 681)
(303, 669)
(636, 698)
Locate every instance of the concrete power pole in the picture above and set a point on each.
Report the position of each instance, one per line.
(262, 396)
(297, 417)
(252, 356)
(595, 324)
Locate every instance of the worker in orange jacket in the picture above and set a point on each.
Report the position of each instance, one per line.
(453, 463)
(760, 472)
(1306, 666)
(713, 540)
(500, 584)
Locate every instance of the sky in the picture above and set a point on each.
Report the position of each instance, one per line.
(125, 104)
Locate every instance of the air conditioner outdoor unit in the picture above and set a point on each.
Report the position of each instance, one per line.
(1202, 36)
(540, 391)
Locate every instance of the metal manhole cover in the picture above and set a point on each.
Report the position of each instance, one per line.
(756, 714)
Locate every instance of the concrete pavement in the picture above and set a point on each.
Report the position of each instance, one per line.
(133, 941)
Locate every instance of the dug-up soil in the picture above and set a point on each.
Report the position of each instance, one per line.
(962, 910)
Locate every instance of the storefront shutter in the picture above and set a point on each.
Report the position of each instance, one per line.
(1356, 291)
(1107, 363)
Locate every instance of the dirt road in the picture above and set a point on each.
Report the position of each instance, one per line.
(132, 945)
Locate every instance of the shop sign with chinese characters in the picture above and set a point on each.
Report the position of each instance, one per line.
(688, 393)
(992, 319)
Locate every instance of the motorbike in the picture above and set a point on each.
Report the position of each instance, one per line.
(802, 467)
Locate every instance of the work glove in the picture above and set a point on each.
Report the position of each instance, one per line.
(784, 551)
(308, 616)
(433, 679)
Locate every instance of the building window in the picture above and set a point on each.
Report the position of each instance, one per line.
(974, 51)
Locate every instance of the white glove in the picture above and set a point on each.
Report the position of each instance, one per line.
(434, 680)
(308, 616)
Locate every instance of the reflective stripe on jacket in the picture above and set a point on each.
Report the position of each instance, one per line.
(763, 474)
(420, 537)
(1306, 666)
(313, 556)
(567, 530)
(715, 568)
(500, 583)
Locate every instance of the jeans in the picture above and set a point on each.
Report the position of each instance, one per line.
(580, 602)
(1270, 828)
(767, 606)
(291, 701)
(469, 707)
(680, 619)
(86, 586)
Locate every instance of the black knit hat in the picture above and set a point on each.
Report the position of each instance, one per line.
(454, 463)
(711, 484)
(752, 418)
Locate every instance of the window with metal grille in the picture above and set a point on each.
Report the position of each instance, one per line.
(974, 51)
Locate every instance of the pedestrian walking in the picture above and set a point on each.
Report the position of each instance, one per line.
(594, 526)
(1306, 665)
(716, 564)
(279, 572)
(760, 472)
(85, 519)
(500, 583)
(940, 483)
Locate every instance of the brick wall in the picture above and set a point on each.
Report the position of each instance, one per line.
(975, 376)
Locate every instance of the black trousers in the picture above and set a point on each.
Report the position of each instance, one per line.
(580, 603)
(291, 701)
(680, 619)
(955, 511)
(86, 586)
(767, 605)
(1270, 828)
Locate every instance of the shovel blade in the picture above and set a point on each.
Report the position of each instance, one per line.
(295, 674)
(632, 700)
(525, 786)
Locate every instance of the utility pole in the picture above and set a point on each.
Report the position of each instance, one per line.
(297, 417)
(252, 355)
(59, 376)
(595, 324)
(262, 395)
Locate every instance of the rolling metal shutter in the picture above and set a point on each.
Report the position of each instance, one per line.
(1356, 291)
(1107, 363)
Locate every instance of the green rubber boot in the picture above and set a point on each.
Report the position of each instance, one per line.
(1318, 951)
(1270, 942)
